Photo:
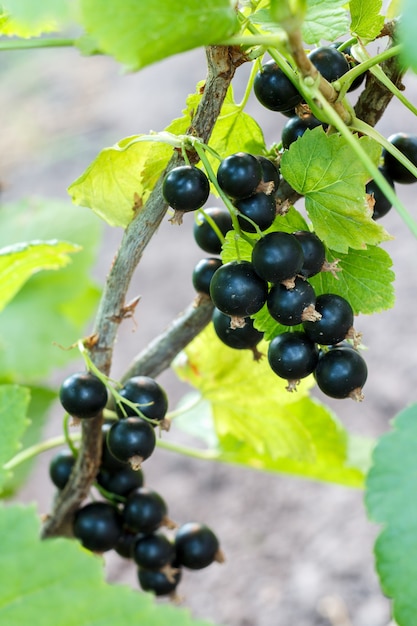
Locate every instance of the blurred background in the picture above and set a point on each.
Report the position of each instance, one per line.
(297, 552)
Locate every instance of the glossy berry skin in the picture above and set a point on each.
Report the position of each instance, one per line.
(196, 545)
(407, 144)
(144, 511)
(382, 204)
(237, 290)
(131, 437)
(274, 90)
(260, 208)
(277, 256)
(331, 63)
(204, 234)
(121, 482)
(243, 338)
(60, 467)
(147, 394)
(203, 273)
(270, 173)
(108, 461)
(341, 372)
(153, 551)
(292, 355)
(83, 395)
(286, 306)
(98, 526)
(352, 63)
(125, 543)
(157, 582)
(186, 188)
(239, 175)
(336, 320)
(314, 253)
(296, 127)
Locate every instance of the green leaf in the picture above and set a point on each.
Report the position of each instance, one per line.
(326, 171)
(390, 489)
(66, 585)
(365, 279)
(257, 422)
(14, 401)
(325, 19)
(366, 21)
(20, 261)
(139, 32)
(407, 29)
(25, 18)
(52, 307)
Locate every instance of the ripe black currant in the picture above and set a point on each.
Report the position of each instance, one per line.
(204, 234)
(108, 461)
(238, 338)
(203, 273)
(407, 144)
(98, 526)
(131, 440)
(153, 551)
(237, 290)
(270, 173)
(125, 543)
(314, 252)
(239, 175)
(144, 511)
(83, 395)
(121, 482)
(186, 188)
(341, 373)
(290, 306)
(292, 355)
(296, 127)
(147, 394)
(260, 208)
(196, 546)
(331, 63)
(60, 467)
(274, 90)
(336, 320)
(382, 204)
(160, 583)
(352, 63)
(277, 256)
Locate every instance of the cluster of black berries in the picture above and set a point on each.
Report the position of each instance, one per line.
(131, 518)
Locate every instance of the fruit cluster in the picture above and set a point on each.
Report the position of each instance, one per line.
(133, 519)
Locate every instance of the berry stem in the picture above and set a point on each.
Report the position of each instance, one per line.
(25, 44)
(43, 446)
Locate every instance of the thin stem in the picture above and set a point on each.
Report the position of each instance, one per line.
(249, 86)
(195, 453)
(33, 451)
(25, 44)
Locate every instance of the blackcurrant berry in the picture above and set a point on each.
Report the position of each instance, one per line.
(277, 256)
(196, 546)
(407, 144)
(314, 252)
(331, 63)
(292, 355)
(238, 338)
(203, 273)
(270, 173)
(239, 175)
(237, 290)
(335, 322)
(83, 395)
(125, 543)
(186, 188)
(144, 511)
(291, 306)
(296, 127)
(147, 394)
(108, 461)
(260, 208)
(352, 63)
(158, 582)
(205, 236)
(274, 90)
(98, 526)
(153, 551)
(382, 204)
(121, 482)
(131, 440)
(60, 467)
(341, 373)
